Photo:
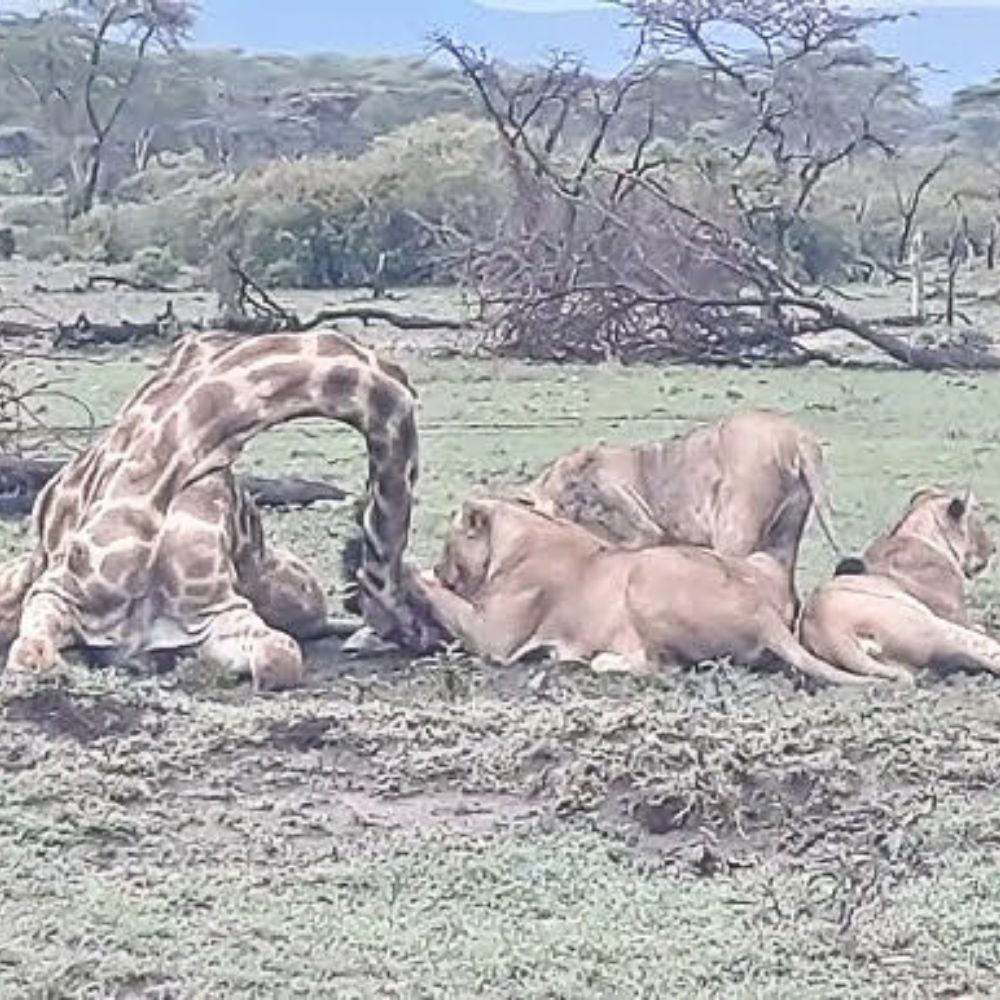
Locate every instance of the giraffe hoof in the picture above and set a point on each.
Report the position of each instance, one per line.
(31, 656)
(366, 641)
(280, 667)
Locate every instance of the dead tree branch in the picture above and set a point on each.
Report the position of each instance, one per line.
(613, 250)
(909, 206)
(22, 479)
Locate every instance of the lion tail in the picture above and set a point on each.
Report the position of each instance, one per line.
(781, 643)
(813, 474)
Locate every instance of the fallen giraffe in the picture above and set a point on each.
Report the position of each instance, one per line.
(143, 542)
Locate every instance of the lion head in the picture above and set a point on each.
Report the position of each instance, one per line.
(468, 550)
(952, 522)
(490, 535)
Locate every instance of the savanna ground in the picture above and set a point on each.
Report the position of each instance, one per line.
(447, 829)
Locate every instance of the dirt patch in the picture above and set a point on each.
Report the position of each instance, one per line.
(452, 812)
(302, 734)
(58, 714)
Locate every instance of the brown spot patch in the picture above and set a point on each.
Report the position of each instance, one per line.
(91, 470)
(282, 379)
(118, 568)
(340, 384)
(163, 447)
(161, 395)
(200, 567)
(247, 352)
(384, 401)
(102, 601)
(168, 578)
(196, 596)
(209, 402)
(396, 372)
(121, 522)
(78, 561)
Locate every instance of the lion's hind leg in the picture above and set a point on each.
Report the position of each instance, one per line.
(865, 656)
(966, 647)
(780, 642)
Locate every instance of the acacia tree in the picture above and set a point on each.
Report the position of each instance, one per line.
(84, 76)
(108, 85)
(615, 246)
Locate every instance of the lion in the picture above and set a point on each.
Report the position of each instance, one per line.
(512, 581)
(901, 607)
(741, 485)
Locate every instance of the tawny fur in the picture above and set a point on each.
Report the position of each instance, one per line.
(906, 608)
(744, 484)
(512, 580)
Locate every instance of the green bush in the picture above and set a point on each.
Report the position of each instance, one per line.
(155, 266)
(34, 212)
(327, 221)
(15, 180)
(322, 221)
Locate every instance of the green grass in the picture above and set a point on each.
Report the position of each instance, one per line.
(488, 425)
(448, 830)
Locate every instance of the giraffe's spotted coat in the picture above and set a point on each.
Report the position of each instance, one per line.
(144, 541)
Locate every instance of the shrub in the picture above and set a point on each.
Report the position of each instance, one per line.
(155, 266)
(34, 212)
(322, 221)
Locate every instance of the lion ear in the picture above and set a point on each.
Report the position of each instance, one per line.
(957, 508)
(475, 516)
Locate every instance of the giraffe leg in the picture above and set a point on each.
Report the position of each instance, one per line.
(46, 628)
(286, 594)
(16, 576)
(240, 641)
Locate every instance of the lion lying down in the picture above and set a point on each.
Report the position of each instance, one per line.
(513, 580)
(902, 607)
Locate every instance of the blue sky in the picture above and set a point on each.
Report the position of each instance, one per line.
(960, 37)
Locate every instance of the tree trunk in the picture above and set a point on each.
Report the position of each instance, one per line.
(22, 479)
(917, 310)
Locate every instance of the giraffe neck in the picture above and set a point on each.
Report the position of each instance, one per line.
(194, 416)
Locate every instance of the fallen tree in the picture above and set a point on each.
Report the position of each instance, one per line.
(250, 308)
(619, 247)
(165, 326)
(22, 479)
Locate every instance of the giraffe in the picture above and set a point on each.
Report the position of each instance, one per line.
(144, 542)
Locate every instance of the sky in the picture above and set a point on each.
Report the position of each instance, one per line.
(550, 5)
(959, 37)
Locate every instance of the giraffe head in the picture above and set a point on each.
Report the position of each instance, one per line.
(407, 621)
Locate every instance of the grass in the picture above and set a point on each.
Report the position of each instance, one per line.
(444, 829)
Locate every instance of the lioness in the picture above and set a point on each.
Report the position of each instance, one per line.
(744, 484)
(512, 580)
(902, 607)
